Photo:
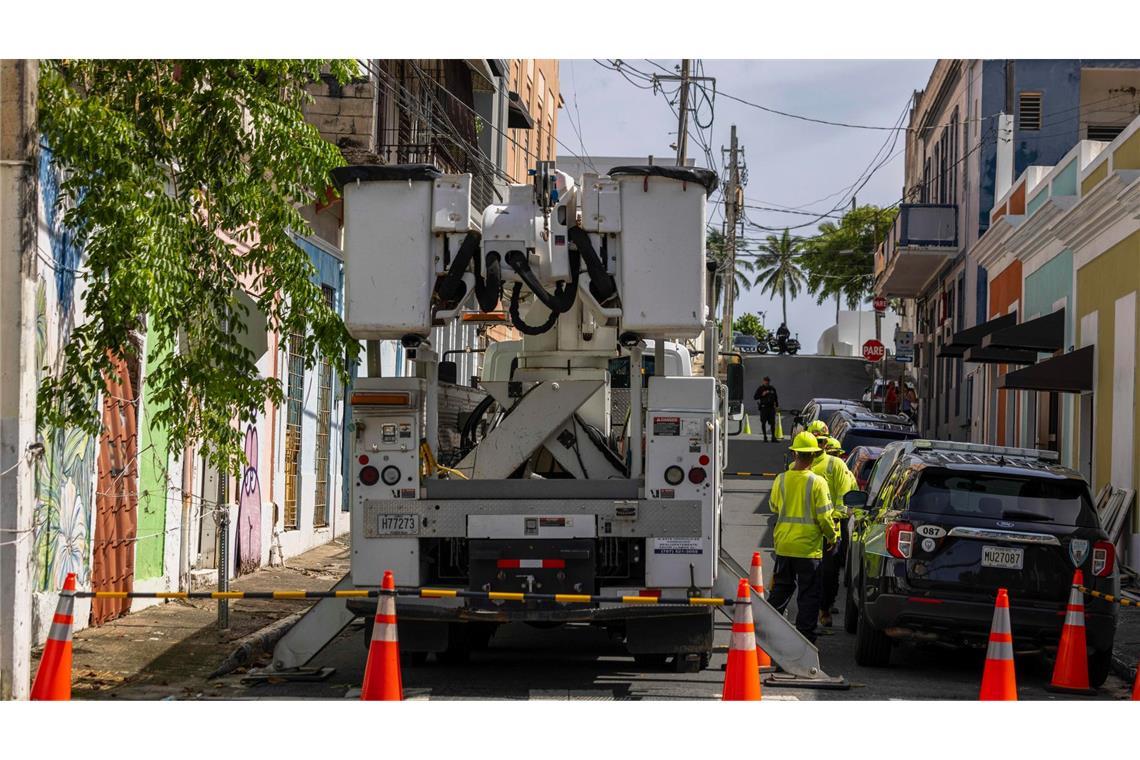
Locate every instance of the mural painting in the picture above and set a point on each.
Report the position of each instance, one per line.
(249, 508)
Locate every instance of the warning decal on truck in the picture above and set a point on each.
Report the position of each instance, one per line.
(677, 546)
(666, 426)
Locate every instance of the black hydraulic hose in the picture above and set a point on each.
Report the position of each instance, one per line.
(517, 321)
(451, 288)
(487, 290)
(602, 284)
(517, 261)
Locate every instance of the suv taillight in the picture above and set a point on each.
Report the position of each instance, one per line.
(1103, 558)
(900, 539)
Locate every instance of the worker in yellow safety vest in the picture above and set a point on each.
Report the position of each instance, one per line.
(840, 480)
(804, 522)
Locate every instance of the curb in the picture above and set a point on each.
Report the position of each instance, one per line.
(1122, 667)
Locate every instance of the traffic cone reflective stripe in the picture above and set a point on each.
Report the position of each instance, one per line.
(382, 673)
(1071, 670)
(756, 581)
(741, 676)
(998, 679)
(53, 679)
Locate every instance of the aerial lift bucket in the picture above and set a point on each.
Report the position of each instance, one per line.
(797, 657)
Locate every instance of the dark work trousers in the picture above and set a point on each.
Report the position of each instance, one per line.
(768, 422)
(803, 576)
(833, 565)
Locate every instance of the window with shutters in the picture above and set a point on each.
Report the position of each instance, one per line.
(323, 451)
(1029, 111)
(294, 413)
(1104, 132)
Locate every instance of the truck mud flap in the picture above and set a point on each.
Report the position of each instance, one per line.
(796, 656)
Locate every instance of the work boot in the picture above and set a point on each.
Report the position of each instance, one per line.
(825, 619)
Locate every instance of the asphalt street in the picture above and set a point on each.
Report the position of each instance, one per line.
(579, 662)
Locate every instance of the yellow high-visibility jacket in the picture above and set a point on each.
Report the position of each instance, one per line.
(804, 517)
(839, 479)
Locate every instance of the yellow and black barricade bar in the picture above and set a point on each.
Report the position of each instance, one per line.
(1121, 600)
(423, 593)
(753, 474)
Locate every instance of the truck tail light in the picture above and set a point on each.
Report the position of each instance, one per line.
(369, 475)
(1103, 558)
(900, 539)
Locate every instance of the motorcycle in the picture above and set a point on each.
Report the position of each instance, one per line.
(762, 346)
(794, 345)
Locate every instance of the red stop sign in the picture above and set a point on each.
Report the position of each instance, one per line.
(879, 303)
(874, 351)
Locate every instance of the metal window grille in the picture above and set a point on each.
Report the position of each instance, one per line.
(293, 416)
(1104, 132)
(324, 430)
(1029, 111)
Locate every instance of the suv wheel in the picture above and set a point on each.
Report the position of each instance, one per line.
(872, 646)
(1100, 662)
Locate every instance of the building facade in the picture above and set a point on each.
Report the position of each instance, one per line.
(976, 126)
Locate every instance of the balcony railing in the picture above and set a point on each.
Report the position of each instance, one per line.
(922, 238)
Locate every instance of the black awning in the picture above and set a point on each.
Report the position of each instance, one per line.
(984, 355)
(1067, 373)
(518, 117)
(972, 336)
(1045, 333)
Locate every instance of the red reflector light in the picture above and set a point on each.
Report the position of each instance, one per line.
(900, 539)
(653, 592)
(363, 459)
(697, 475)
(369, 475)
(534, 564)
(1103, 559)
(704, 460)
(923, 600)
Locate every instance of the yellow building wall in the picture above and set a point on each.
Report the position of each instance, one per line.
(1110, 276)
(1127, 156)
(1094, 179)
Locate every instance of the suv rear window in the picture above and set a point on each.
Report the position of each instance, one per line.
(873, 437)
(998, 497)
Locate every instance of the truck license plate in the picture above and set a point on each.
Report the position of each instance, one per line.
(398, 525)
(1002, 556)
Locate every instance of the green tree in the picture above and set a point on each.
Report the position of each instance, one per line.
(839, 262)
(750, 324)
(183, 182)
(717, 249)
(778, 269)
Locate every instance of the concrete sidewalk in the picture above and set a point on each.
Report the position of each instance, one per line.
(1126, 646)
(169, 650)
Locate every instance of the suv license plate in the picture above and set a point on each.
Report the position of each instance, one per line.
(1002, 556)
(398, 525)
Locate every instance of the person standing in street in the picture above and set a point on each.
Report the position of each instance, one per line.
(804, 523)
(891, 399)
(909, 402)
(768, 404)
(839, 481)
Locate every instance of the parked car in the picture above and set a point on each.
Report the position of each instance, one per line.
(944, 525)
(861, 460)
(822, 409)
(859, 427)
(745, 344)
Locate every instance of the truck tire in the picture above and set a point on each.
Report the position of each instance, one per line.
(1100, 663)
(872, 646)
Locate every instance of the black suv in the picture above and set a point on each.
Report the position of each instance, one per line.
(943, 525)
(822, 409)
(860, 427)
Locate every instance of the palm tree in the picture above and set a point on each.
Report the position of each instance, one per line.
(717, 250)
(779, 270)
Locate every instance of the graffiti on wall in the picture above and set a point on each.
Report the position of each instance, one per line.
(249, 508)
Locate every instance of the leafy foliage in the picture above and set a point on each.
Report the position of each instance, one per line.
(839, 262)
(750, 324)
(183, 182)
(716, 248)
(779, 269)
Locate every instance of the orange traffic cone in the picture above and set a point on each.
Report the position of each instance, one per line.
(1071, 670)
(756, 581)
(741, 677)
(998, 679)
(382, 673)
(53, 679)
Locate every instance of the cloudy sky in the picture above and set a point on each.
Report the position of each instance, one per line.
(791, 163)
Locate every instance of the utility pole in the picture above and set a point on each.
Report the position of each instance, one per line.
(683, 116)
(731, 214)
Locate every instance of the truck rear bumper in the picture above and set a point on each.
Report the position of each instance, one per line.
(514, 612)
